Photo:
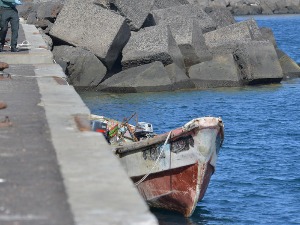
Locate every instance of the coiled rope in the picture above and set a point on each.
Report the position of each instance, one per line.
(161, 151)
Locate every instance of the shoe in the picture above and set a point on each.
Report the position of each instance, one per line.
(1, 48)
(14, 49)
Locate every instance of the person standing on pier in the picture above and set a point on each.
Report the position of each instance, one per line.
(9, 14)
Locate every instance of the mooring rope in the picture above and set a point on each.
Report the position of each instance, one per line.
(162, 148)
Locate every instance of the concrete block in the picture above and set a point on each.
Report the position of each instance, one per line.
(167, 15)
(49, 10)
(84, 24)
(152, 44)
(135, 11)
(26, 8)
(201, 3)
(222, 16)
(189, 38)
(242, 31)
(289, 67)
(218, 3)
(246, 9)
(151, 77)
(267, 34)
(258, 62)
(221, 71)
(179, 79)
(103, 3)
(83, 68)
(161, 4)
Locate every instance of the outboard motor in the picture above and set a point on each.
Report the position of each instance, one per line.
(143, 130)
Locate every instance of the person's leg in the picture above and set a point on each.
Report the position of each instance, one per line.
(3, 26)
(14, 29)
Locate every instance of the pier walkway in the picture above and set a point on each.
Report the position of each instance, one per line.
(53, 171)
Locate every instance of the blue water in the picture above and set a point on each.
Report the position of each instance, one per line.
(257, 180)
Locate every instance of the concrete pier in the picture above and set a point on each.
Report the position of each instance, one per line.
(53, 171)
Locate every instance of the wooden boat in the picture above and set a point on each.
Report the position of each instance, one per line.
(171, 170)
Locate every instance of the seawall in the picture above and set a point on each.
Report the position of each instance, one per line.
(53, 170)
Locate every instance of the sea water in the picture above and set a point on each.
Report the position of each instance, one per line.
(257, 178)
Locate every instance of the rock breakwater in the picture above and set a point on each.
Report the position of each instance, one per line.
(160, 45)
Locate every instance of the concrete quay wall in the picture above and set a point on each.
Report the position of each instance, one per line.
(94, 187)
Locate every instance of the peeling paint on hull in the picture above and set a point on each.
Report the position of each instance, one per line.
(172, 170)
(176, 177)
(177, 189)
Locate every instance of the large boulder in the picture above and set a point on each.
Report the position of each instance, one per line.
(152, 77)
(242, 31)
(87, 25)
(135, 11)
(82, 67)
(189, 38)
(152, 44)
(195, 12)
(258, 62)
(289, 67)
(221, 71)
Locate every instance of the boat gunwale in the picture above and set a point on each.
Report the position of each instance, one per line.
(141, 145)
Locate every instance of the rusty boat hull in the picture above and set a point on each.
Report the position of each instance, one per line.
(172, 171)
